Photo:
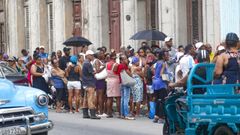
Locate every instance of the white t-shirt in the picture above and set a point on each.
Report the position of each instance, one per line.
(186, 63)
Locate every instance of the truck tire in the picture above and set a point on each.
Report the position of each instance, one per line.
(223, 130)
(165, 129)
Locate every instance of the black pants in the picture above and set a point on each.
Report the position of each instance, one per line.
(59, 94)
(159, 96)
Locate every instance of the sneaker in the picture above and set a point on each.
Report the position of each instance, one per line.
(103, 115)
(155, 120)
(129, 118)
(161, 121)
(71, 112)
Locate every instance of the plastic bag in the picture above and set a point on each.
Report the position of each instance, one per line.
(152, 110)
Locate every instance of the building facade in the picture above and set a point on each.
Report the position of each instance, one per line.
(31, 23)
(2, 26)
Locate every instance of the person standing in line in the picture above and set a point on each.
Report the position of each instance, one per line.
(57, 79)
(59, 55)
(172, 52)
(148, 71)
(113, 85)
(37, 72)
(99, 66)
(73, 74)
(63, 61)
(89, 85)
(160, 85)
(187, 62)
(137, 89)
(81, 58)
(42, 54)
(125, 90)
(142, 57)
(227, 66)
(26, 58)
(210, 52)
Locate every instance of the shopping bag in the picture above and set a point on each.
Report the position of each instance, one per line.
(126, 79)
(152, 110)
(101, 75)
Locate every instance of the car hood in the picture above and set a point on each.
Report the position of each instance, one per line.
(16, 96)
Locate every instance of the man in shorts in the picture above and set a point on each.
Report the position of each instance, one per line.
(89, 82)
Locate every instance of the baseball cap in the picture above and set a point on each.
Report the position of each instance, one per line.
(167, 39)
(220, 48)
(89, 52)
(199, 45)
(65, 49)
(11, 59)
(135, 60)
(41, 47)
(74, 59)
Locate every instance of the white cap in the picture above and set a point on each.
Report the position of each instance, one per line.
(89, 52)
(220, 48)
(199, 45)
(41, 47)
(167, 39)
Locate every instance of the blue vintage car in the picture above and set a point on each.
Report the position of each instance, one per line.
(23, 110)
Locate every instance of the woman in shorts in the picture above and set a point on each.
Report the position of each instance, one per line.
(73, 74)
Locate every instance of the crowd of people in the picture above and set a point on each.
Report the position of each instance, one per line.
(110, 83)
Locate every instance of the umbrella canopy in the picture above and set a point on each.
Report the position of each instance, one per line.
(77, 41)
(149, 35)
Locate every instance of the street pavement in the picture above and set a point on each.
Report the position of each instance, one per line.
(74, 124)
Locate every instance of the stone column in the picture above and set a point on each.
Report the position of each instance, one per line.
(34, 15)
(12, 47)
(95, 22)
(20, 27)
(59, 24)
(43, 24)
(128, 25)
(173, 20)
(211, 22)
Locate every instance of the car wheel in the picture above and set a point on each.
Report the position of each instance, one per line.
(223, 130)
(44, 133)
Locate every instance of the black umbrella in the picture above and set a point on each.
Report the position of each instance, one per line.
(149, 35)
(77, 41)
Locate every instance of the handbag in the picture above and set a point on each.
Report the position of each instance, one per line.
(165, 77)
(101, 75)
(126, 79)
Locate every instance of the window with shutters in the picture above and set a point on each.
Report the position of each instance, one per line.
(195, 24)
(50, 26)
(26, 26)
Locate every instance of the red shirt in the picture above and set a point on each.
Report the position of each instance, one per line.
(109, 66)
(121, 67)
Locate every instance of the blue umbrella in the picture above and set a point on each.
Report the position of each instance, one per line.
(149, 35)
(77, 41)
